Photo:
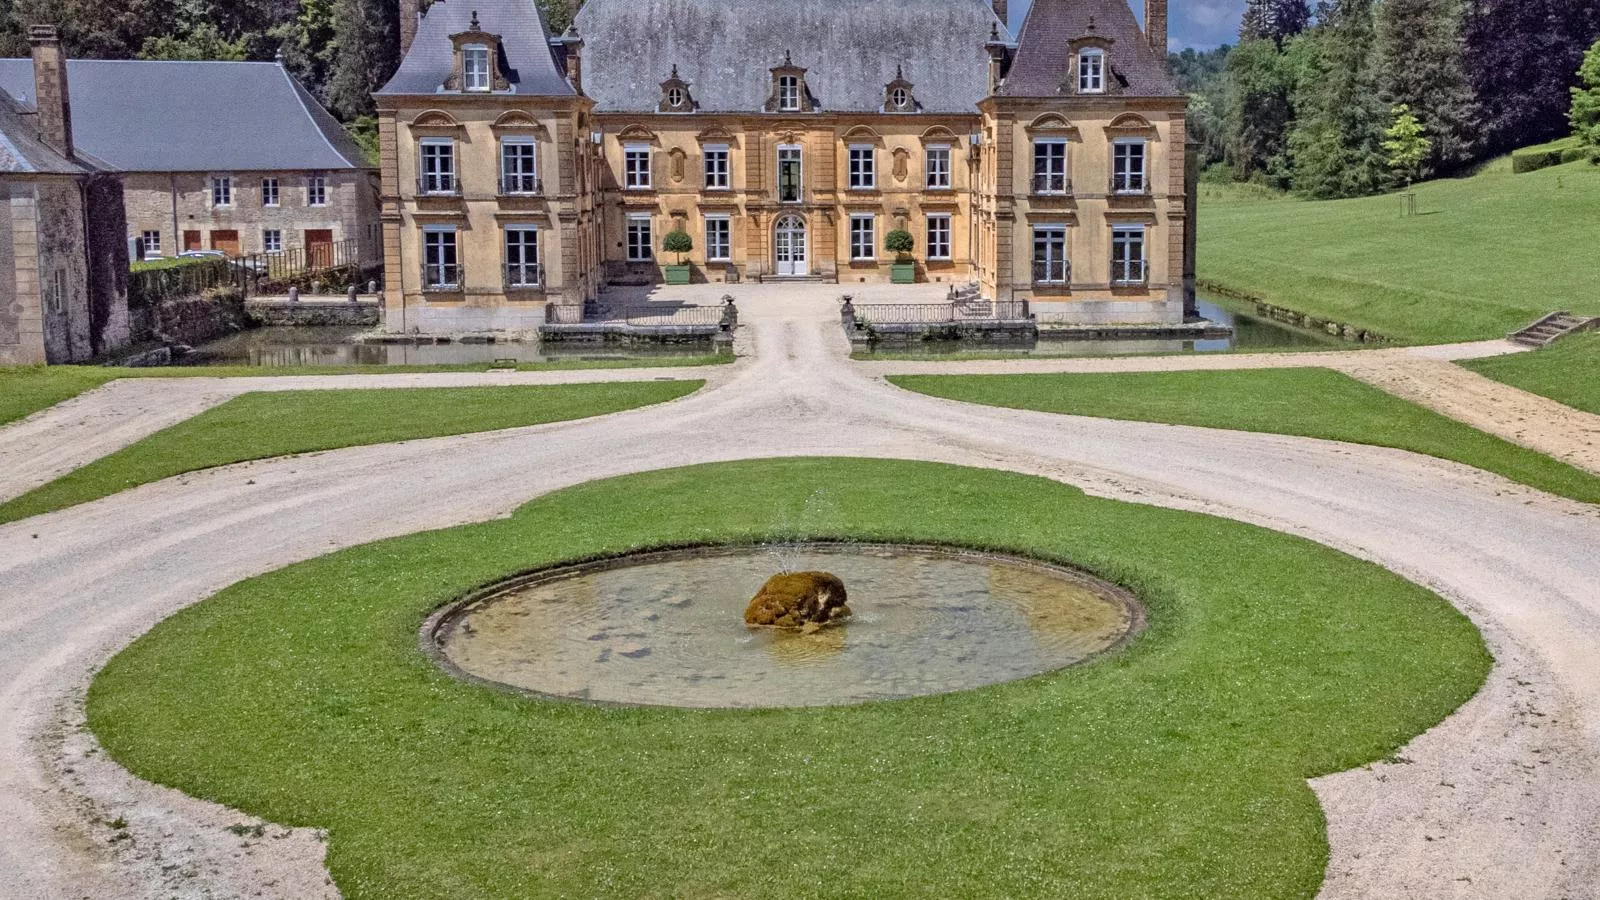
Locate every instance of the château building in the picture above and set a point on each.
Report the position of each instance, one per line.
(523, 172)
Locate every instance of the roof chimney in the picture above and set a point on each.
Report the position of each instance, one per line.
(1155, 26)
(410, 13)
(50, 89)
(1002, 10)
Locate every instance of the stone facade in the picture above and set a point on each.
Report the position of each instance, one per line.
(1051, 168)
(178, 207)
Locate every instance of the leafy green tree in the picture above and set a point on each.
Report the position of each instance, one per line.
(1523, 57)
(1335, 146)
(200, 43)
(1406, 147)
(1274, 20)
(98, 29)
(1257, 112)
(363, 54)
(900, 243)
(1420, 52)
(558, 13)
(1585, 115)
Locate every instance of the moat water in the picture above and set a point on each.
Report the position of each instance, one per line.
(667, 629)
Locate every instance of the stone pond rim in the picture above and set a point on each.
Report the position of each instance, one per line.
(449, 614)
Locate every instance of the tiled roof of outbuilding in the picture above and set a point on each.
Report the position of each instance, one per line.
(725, 49)
(525, 44)
(1042, 63)
(158, 116)
(21, 151)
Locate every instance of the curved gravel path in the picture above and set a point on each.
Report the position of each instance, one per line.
(1501, 800)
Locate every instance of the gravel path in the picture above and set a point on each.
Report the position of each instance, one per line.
(1501, 800)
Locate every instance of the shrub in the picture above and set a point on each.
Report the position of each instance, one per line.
(900, 243)
(678, 242)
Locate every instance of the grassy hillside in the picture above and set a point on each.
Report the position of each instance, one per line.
(1484, 256)
(1567, 372)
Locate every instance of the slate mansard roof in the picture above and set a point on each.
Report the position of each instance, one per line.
(725, 49)
(154, 116)
(1043, 63)
(526, 58)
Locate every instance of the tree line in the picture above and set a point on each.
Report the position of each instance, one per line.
(1324, 100)
(341, 50)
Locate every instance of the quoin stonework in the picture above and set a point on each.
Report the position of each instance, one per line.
(522, 173)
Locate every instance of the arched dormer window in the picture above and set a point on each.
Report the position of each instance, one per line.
(675, 96)
(898, 96)
(789, 93)
(1091, 71)
(477, 61)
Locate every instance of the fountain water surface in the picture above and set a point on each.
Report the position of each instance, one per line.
(668, 629)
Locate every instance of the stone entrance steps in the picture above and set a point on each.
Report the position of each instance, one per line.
(1552, 327)
(794, 279)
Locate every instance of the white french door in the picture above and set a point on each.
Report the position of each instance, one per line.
(789, 248)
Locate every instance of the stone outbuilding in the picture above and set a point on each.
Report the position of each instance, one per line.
(228, 156)
(63, 250)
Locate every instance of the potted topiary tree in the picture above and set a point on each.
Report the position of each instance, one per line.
(900, 243)
(680, 243)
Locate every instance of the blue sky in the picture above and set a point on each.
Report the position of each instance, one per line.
(1201, 24)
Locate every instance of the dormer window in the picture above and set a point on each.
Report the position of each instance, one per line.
(475, 68)
(675, 95)
(1091, 71)
(788, 93)
(898, 96)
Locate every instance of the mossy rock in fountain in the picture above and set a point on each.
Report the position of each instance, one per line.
(804, 600)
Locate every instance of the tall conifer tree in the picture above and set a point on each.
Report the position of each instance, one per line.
(1522, 59)
(1336, 143)
(1421, 49)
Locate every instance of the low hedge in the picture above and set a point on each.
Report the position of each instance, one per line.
(1556, 153)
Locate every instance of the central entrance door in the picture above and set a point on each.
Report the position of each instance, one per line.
(790, 249)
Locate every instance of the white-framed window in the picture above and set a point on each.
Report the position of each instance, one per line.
(863, 167)
(790, 173)
(271, 240)
(863, 236)
(788, 93)
(221, 190)
(522, 256)
(1050, 265)
(150, 244)
(675, 97)
(899, 99)
(475, 67)
(1127, 255)
(1128, 167)
(519, 166)
(317, 190)
(641, 244)
(716, 167)
(441, 260)
(1050, 167)
(636, 167)
(719, 239)
(937, 167)
(269, 192)
(939, 236)
(1091, 71)
(438, 166)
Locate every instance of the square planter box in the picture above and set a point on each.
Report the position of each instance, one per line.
(903, 273)
(677, 274)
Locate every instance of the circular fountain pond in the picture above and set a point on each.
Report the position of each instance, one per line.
(667, 628)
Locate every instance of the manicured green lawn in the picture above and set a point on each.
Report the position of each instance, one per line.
(1175, 768)
(1318, 403)
(25, 390)
(261, 426)
(1485, 256)
(1567, 371)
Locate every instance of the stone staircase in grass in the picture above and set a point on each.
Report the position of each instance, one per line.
(1552, 327)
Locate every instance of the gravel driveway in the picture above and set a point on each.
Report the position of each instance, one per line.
(1501, 800)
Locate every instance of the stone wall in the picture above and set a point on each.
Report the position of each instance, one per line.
(363, 313)
(197, 320)
(179, 203)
